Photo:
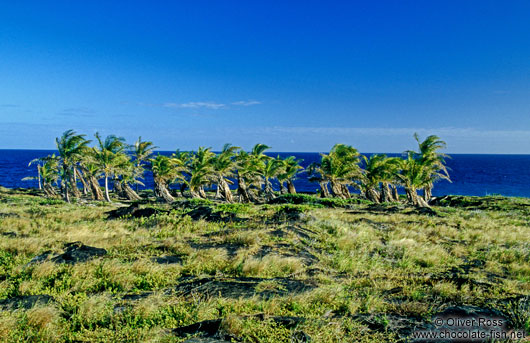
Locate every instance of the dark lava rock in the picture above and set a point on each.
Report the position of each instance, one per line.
(212, 331)
(231, 248)
(24, 302)
(134, 211)
(205, 328)
(426, 211)
(205, 340)
(9, 234)
(242, 287)
(39, 258)
(167, 259)
(78, 252)
(287, 213)
(134, 297)
(7, 215)
(208, 214)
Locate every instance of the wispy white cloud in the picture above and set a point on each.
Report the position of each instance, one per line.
(77, 111)
(246, 103)
(200, 104)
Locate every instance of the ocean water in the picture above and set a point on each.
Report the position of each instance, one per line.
(470, 174)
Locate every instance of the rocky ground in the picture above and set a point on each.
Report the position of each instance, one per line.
(298, 269)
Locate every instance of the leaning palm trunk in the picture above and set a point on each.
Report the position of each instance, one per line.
(225, 190)
(97, 194)
(162, 191)
(195, 193)
(64, 184)
(345, 192)
(202, 193)
(38, 176)
(129, 192)
(395, 193)
(83, 181)
(242, 189)
(73, 181)
(283, 189)
(427, 192)
(373, 195)
(118, 189)
(269, 193)
(412, 197)
(290, 187)
(107, 196)
(49, 190)
(324, 191)
(336, 190)
(386, 193)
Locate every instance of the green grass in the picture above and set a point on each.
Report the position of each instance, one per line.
(336, 263)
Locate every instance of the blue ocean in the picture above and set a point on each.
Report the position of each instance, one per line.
(471, 174)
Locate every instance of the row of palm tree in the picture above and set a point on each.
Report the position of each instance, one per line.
(112, 160)
(381, 175)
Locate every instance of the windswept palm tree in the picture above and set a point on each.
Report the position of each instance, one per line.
(201, 172)
(414, 176)
(272, 168)
(340, 167)
(291, 167)
(92, 173)
(106, 157)
(378, 174)
(224, 166)
(433, 161)
(48, 173)
(126, 173)
(141, 152)
(181, 161)
(165, 171)
(70, 146)
(246, 175)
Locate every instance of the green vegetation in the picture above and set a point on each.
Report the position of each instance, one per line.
(112, 160)
(334, 270)
(196, 261)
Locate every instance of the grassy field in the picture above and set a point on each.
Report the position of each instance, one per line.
(300, 270)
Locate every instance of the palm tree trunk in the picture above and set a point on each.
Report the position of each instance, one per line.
(413, 197)
(269, 193)
(386, 193)
(195, 194)
(118, 189)
(427, 192)
(225, 191)
(97, 194)
(182, 189)
(162, 191)
(73, 180)
(373, 195)
(38, 176)
(290, 187)
(395, 193)
(129, 192)
(202, 193)
(107, 197)
(83, 181)
(64, 183)
(324, 191)
(345, 191)
(336, 189)
(283, 189)
(242, 189)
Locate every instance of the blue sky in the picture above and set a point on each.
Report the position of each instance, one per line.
(296, 75)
